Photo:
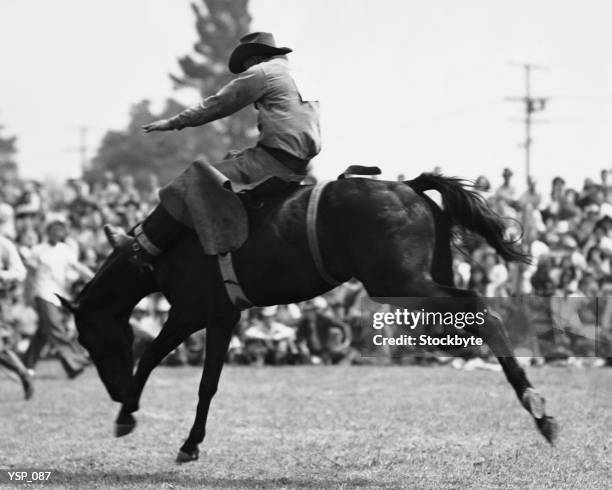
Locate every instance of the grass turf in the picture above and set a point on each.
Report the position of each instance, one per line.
(316, 427)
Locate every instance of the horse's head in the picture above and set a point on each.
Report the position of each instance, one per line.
(108, 340)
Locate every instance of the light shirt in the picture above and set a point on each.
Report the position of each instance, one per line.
(11, 265)
(605, 209)
(498, 276)
(285, 121)
(55, 268)
(276, 331)
(506, 192)
(7, 220)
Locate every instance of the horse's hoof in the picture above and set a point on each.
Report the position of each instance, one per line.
(549, 428)
(184, 457)
(534, 403)
(126, 426)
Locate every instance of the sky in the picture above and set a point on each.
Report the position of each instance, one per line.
(405, 85)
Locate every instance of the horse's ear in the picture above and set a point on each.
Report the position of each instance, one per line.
(69, 305)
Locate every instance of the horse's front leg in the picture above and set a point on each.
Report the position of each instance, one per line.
(170, 337)
(218, 337)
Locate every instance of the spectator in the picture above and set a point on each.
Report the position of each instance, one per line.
(497, 276)
(129, 193)
(589, 190)
(556, 195)
(570, 240)
(268, 340)
(531, 198)
(322, 337)
(7, 221)
(483, 187)
(506, 192)
(12, 272)
(478, 280)
(53, 262)
(109, 191)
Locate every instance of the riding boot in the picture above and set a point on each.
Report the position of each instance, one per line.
(150, 238)
(120, 240)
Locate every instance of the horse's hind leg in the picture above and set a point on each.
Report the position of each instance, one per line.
(437, 298)
(172, 334)
(218, 337)
(494, 333)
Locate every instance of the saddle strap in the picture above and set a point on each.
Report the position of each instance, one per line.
(311, 231)
(230, 281)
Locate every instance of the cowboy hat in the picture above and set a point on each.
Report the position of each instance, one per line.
(254, 44)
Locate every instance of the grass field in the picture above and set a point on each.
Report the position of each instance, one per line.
(317, 427)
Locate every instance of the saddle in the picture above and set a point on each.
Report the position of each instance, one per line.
(358, 170)
(254, 199)
(204, 199)
(274, 186)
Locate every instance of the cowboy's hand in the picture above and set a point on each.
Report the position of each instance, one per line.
(161, 125)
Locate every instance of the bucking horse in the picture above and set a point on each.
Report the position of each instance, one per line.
(391, 236)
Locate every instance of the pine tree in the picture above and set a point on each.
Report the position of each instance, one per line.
(219, 25)
(163, 153)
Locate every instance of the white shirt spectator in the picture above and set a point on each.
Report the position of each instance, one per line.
(274, 331)
(498, 275)
(464, 271)
(7, 221)
(606, 244)
(578, 260)
(538, 249)
(605, 209)
(11, 265)
(56, 267)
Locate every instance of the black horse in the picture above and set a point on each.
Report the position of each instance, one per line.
(388, 235)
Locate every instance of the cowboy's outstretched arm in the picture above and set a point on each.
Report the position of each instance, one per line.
(236, 95)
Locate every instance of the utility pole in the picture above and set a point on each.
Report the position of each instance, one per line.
(82, 147)
(532, 105)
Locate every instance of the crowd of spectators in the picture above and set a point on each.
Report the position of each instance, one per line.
(51, 241)
(568, 234)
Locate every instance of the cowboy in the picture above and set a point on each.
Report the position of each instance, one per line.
(289, 138)
(12, 273)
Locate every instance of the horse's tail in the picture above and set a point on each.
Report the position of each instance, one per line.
(466, 208)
